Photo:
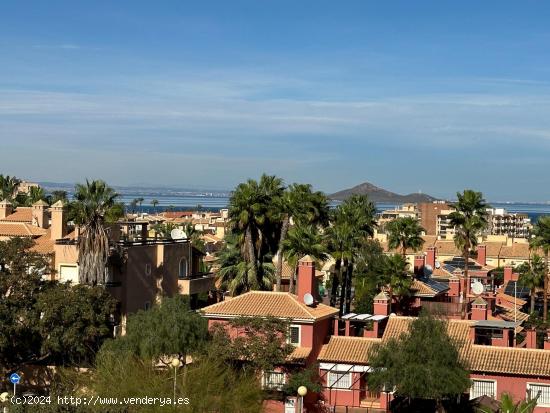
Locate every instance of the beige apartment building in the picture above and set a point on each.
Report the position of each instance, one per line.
(140, 269)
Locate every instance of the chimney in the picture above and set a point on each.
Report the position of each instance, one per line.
(479, 309)
(306, 278)
(531, 338)
(509, 274)
(419, 261)
(382, 304)
(454, 287)
(40, 214)
(6, 209)
(547, 340)
(482, 255)
(59, 220)
(430, 256)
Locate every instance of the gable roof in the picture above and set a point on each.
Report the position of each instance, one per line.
(268, 303)
(343, 349)
(426, 287)
(20, 229)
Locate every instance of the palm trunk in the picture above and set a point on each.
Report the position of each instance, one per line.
(467, 287)
(343, 287)
(291, 281)
(251, 252)
(349, 279)
(279, 273)
(533, 291)
(545, 293)
(335, 280)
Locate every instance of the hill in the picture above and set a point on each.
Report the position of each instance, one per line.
(377, 194)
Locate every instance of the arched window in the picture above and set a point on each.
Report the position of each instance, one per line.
(183, 268)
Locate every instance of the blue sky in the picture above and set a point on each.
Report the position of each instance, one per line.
(430, 96)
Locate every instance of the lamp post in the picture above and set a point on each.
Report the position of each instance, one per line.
(302, 391)
(175, 363)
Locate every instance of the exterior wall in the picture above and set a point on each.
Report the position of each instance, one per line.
(428, 215)
(64, 254)
(516, 386)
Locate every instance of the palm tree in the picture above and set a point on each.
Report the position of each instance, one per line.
(298, 203)
(235, 273)
(133, 205)
(531, 275)
(154, 203)
(541, 239)
(164, 229)
(94, 206)
(396, 275)
(58, 195)
(139, 202)
(507, 405)
(8, 187)
(352, 222)
(405, 233)
(469, 218)
(302, 240)
(35, 194)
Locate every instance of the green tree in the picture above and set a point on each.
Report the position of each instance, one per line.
(8, 187)
(531, 275)
(21, 273)
(34, 195)
(541, 239)
(303, 240)
(261, 344)
(405, 233)
(94, 207)
(167, 329)
(436, 372)
(397, 277)
(58, 195)
(164, 229)
(300, 204)
(74, 322)
(469, 219)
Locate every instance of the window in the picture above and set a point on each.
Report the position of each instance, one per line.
(147, 269)
(483, 388)
(339, 380)
(543, 390)
(274, 380)
(294, 335)
(182, 273)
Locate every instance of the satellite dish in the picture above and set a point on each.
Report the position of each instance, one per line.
(428, 270)
(477, 288)
(437, 264)
(308, 299)
(177, 233)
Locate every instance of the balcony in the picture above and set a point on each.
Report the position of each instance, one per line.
(196, 284)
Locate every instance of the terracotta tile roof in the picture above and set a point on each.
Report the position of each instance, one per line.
(20, 229)
(447, 248)
(421, 289)
(493, 248)
(458, 329)
(269, 303)
(509, 301)
(342, 349)
(508, 360)
(518, 250)
(299, 354)
(508, 314)
(44, 244)
(21, 214)
(177, 214)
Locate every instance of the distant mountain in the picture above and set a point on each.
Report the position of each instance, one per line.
(377, 194)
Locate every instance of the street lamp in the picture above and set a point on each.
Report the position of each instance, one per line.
(302, 391)
(175, 363)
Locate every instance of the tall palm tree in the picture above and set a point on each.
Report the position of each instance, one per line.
(8, 187)
(298, 203)
(302, 240)
(352, 222)
(541, 239)
(405, 233)
(397, 277)
(531, 275)
(94, 207)
(469, 218)
(154, 203)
